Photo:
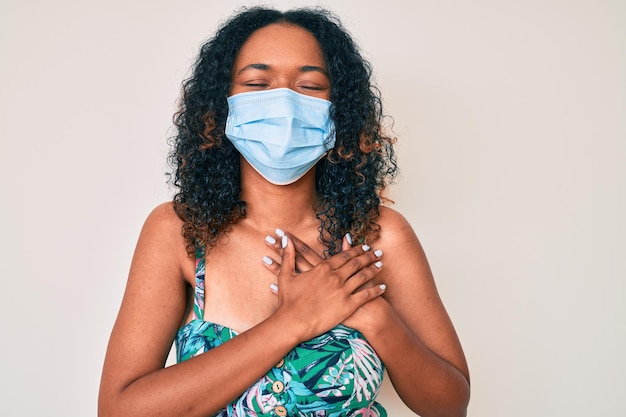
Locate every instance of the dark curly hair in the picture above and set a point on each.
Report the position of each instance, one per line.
(350, 180)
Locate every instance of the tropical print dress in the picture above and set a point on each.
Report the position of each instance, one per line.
(336, 374)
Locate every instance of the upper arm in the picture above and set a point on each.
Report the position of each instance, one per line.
(412, 292)
(153, 305)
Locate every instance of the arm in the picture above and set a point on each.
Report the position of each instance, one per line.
(409, 327)
(134, 380)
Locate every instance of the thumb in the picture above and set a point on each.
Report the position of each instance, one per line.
(288, 262)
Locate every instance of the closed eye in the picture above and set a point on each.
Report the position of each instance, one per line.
(311, 87)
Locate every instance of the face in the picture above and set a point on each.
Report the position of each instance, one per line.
(281, 55)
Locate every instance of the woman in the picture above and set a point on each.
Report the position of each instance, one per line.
(261, 268)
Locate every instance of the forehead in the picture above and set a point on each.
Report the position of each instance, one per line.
(281, 43)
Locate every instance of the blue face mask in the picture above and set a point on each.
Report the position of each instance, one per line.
(281, 133)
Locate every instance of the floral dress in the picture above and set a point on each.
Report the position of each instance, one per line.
(336, 374)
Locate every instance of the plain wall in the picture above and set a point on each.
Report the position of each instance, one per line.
(511, 118)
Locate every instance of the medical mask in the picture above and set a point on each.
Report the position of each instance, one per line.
(281, 133)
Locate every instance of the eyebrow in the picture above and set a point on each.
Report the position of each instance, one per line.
(266, 67)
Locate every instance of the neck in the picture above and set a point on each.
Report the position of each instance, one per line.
(269, 206)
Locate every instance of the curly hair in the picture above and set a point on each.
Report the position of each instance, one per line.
(350, 180)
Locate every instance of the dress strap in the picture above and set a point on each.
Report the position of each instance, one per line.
(198, 292)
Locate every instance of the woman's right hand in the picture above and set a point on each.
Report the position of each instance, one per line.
(318, 297)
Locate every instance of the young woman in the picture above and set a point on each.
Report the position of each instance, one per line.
(284, 282)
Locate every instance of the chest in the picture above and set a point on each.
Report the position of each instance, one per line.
(237, 284)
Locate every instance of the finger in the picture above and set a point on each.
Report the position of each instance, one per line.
(346, 243)
(363, 278)
(288, 262)
(271, 264)
(312, 257)
(306, 258)
(359, 263)
(302, 264)
(273, 243)
(274, 267)
(352, 259)
(367, 294)
(339, 259)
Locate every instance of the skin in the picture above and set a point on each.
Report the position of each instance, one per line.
(408, 327)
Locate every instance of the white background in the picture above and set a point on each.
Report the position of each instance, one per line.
(511, 117)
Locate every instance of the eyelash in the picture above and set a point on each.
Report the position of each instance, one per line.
(263, 85)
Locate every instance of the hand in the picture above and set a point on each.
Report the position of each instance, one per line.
(306, 258)
(307, 263)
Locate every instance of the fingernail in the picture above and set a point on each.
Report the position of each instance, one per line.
(378, 253)
(349, 238)
(382, 287)
(378, 264)
(280, 233)
(365, 248)
(269, 239)
(267, 260)
(274, 287)
(284, 242)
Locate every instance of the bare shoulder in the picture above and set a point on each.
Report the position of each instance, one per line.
(164, 218)
(391, 216)
(160, 259)
(397, 234)
(161, 241)
(406, 270)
